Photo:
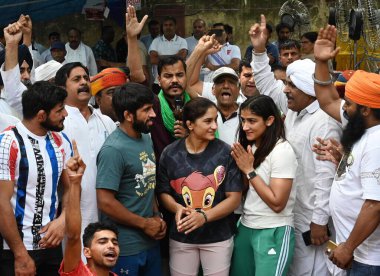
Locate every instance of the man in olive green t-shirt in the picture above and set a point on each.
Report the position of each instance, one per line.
(126, 180)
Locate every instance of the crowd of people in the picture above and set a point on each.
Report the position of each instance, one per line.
(181, 158)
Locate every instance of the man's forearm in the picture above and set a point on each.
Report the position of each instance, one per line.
(368, 220)
(122, 215)
(194, 64)
(11, 56)
(134, 61)
(73, 216)
(9, 231)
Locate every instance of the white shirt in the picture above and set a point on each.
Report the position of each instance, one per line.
(225, 55)
(357, 179)
(314, 178)
(191, 43)
(280, 163)
(89, 136)
(7, 120)
(82, 54)
(166, 47)
(12, 91)
(228, 129)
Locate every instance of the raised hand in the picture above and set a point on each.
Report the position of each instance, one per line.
(13, 34)
(324, 47)
(75, 166)
(132, 26)
(26, 24)
(259, 35)
(209, 44)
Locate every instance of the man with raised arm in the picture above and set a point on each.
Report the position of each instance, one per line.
(304, 122)
(355, 196)
(17, 66)
(100, 241)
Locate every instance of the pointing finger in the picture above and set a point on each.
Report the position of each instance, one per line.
(75, 149)
(263, 20)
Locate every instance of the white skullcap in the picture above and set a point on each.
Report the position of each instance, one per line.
(47, 71)
(300, 72)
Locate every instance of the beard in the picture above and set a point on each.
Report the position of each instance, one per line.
(141, 126)
(353, 131)
(27, 83)
(49, 126)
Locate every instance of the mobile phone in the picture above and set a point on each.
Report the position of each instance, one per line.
(330, 246)
(307, 236)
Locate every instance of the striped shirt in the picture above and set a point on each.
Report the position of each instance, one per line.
(34, 163)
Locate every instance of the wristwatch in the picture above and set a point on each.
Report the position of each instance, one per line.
(251, 174)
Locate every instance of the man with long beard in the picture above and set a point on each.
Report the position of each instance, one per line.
(33, 154)
(355, 194)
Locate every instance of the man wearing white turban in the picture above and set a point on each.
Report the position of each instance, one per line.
(304, 122)
(47, 71)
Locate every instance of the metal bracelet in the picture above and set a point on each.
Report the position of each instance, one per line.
(323, 83)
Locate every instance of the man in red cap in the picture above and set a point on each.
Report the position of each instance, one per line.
(355, 193)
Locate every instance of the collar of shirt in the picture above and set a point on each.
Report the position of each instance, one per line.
(75, 110)
(165, 39)
(311, 108)
(232, 115)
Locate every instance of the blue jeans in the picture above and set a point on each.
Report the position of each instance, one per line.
(146, 263)
(359, 269)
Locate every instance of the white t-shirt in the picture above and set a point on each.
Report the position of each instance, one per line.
(35, 164)
(166, 47)
(280, 163)
(225, 55)
(356, 180)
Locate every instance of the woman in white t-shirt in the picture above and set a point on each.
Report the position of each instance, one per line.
(264, 243)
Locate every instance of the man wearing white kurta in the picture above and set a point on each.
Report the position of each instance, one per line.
(304, 122)
(77, 51)
(88, 128)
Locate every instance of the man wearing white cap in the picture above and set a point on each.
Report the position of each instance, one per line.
(47, 71)
(304, 122)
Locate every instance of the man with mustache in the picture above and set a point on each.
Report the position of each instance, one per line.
(88, 128)
(355, 196)
(17, 63)
(33, 154)
(304, 122)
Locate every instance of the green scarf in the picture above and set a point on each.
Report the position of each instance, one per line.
(167, 112)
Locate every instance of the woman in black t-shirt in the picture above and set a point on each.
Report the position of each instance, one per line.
(198, 181)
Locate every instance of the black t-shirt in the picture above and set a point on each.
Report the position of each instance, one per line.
(202, 181)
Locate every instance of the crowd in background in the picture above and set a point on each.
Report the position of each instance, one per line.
(181, 156)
